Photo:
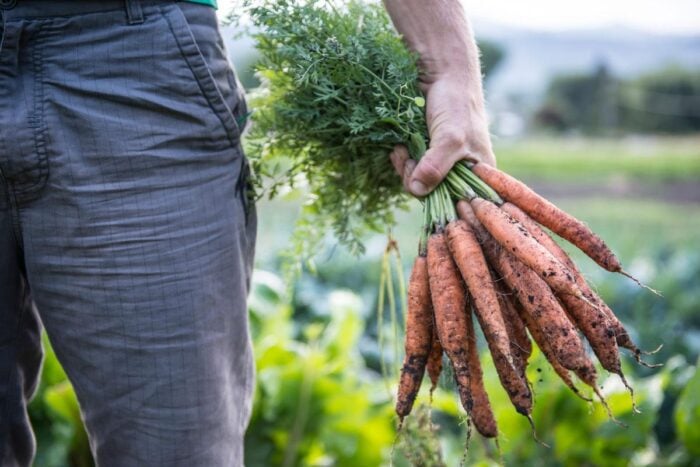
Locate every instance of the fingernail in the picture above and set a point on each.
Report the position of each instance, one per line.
(418, 188)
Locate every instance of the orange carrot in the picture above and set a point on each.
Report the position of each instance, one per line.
(547, 214)
(515, 238)
(449, 305)
(482, 414)
(470, 260)
(546, 350)
(419, 332)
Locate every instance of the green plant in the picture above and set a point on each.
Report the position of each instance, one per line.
(339, 91)
(315, 401)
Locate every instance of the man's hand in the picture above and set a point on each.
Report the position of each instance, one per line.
(451, 80)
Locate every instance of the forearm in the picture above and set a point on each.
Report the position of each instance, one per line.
(439, 32)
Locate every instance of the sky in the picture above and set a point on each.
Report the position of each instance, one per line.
(657, 16)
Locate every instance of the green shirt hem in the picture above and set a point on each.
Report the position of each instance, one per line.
(211, 3)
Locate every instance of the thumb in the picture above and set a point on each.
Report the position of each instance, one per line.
(432, 169)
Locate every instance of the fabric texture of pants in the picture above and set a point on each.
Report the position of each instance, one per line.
(125, 228)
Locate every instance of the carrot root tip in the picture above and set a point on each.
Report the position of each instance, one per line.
(463, 460)
(635, 409)
(534, 432)
(607, 408)
(651, 352)
(638, 358)
(499, 451)
(648, 365)
(639, 283)
(580, 394)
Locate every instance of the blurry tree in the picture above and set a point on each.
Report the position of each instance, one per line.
(584, 101)
(666, 101)
(663, 101)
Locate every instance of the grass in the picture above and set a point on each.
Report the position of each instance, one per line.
(654, 159)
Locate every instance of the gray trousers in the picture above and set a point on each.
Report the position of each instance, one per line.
(125, 228)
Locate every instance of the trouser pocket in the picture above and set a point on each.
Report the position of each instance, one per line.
(196, 32)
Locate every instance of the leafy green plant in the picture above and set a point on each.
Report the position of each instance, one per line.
(687, 415)
(308, 125)
(315, 402)
(55, 415)
(339, 90)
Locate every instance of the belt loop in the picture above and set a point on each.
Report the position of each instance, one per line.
(134, 13)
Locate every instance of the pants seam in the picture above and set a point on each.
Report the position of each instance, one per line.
(37, 123)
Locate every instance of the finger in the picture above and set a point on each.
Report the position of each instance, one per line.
(398, 157)
(432, 169)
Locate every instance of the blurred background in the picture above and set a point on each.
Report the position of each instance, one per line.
(597, 106)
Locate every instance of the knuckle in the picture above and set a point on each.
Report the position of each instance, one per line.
(453, 138)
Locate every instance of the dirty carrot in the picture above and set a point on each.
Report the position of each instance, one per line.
(543, 344)
(467, 254)
(482, 413)
(621, 335)
(449, 305)
(593, 322)
(419, 333)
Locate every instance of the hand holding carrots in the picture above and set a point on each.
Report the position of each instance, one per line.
(458, 131)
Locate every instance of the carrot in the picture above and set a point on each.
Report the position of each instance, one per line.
(546, 350)
(419, 333)
(449, 305)
(434, 361)
(560, 222)
(467, 254)
(470, 260)
(621, 335)
(547, 214)
(517, 240)
(482, 414)
(534, 294)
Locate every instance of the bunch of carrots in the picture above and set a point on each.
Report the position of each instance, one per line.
(489, 256)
